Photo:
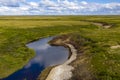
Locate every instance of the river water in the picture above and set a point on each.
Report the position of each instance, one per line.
(46, 55)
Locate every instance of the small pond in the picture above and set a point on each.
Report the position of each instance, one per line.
(46, 55)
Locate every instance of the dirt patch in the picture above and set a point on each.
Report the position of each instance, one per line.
(106, 26)
(115, 47)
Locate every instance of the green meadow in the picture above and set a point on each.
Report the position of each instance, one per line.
(96, 58)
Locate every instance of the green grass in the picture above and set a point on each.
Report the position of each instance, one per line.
(101, 62)
(13, 52)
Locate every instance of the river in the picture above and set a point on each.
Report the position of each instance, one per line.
(46, 55)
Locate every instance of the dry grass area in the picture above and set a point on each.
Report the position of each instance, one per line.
(37, 21)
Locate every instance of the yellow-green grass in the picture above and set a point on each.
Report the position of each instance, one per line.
(103, 62)
(14, 34)
(32, 24)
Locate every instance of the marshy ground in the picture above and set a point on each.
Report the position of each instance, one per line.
(96, 57)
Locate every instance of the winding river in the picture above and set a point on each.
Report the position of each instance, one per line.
(46, 55)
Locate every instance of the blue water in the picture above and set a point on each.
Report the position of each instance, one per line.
(46, 55)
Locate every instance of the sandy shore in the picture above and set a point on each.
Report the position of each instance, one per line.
(63, 71)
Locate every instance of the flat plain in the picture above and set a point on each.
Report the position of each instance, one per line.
(98, 47)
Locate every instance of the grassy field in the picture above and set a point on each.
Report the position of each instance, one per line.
(93, 43)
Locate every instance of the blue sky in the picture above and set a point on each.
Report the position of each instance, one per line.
(59, 7)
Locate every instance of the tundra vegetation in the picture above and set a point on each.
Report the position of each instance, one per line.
(96, 57)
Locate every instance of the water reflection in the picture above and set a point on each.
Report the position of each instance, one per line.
(46, 55)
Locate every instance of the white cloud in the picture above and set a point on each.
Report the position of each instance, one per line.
(22, 7)
(48, 3)
(34, 4)
(84, 2)
(70, 5)
(12, 1)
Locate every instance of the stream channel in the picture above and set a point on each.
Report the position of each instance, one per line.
(46, 55)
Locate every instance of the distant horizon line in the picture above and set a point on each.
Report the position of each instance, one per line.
(69, 15)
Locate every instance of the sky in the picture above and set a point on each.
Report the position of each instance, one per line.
(59, 7)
